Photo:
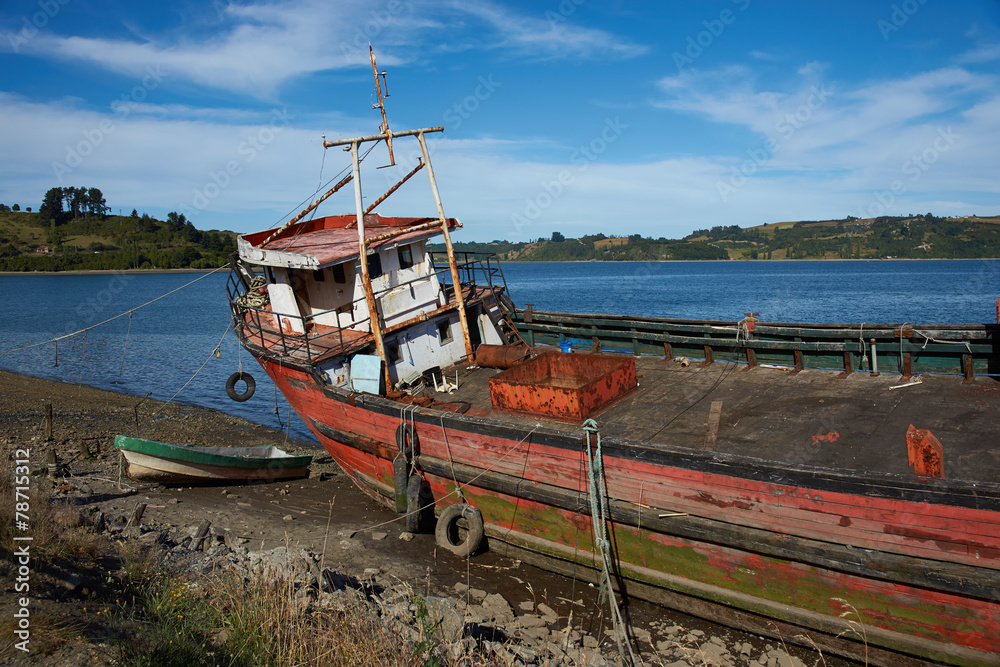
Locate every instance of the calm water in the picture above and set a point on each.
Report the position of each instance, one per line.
(169, 341)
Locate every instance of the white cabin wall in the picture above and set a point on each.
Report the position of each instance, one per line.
(283, 301)
(327, 295)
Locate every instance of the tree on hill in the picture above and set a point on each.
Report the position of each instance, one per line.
(15, 207)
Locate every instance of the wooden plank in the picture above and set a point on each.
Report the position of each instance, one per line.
(714, 415)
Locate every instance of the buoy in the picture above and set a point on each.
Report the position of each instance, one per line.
(231, 386)
(446, 533)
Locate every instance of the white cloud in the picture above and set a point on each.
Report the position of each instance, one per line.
(261, 46)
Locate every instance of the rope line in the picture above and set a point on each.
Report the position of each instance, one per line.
(112, 319)
(458, 490)
(124, 349)
(598, 518)
(211, 354)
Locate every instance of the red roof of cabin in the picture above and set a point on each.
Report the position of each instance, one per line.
(334, 239)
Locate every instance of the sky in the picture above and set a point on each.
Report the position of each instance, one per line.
(578, 116)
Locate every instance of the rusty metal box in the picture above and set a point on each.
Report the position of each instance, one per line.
(566, 387)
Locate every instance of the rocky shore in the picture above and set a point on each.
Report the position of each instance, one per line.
(334, 547)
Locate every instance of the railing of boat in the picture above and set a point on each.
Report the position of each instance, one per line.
(477, 269)
(309, 346)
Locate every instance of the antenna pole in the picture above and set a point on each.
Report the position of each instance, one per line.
(384, 128)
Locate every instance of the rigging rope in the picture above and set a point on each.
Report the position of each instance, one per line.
(212, 354)
(598, 517)
(125, 349)
(111, 319)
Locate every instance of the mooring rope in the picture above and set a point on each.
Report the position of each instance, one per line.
(598, 517)
(112, 319)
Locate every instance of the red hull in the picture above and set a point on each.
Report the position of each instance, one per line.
(764, 546)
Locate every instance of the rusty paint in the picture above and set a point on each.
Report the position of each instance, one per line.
(501, 356)
(569, 387)
(925, 453)
(832, 436)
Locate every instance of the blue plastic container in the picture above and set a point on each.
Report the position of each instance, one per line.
(566, 346)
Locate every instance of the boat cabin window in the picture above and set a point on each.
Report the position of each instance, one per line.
(392, 353)
(374, 266)
(338, 274)
(444, 331)
(319, 275)
(405, 257)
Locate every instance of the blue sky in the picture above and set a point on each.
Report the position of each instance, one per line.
(578, 116)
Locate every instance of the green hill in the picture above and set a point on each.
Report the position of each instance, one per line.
(84, 237)
(910, 237)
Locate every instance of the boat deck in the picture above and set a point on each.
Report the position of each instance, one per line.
(319, 343)
(814, 417)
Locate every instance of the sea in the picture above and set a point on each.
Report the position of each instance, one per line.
(168, 335)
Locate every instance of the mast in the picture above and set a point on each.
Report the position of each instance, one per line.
(384, 127)
(386, 134)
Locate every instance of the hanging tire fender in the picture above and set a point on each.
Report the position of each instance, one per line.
(231, 386)
(446, 532)
(407, 441)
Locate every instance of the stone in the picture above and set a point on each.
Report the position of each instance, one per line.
(378, 537)
(498, 608)
(288, 517)
(406, 537)
(444, 617)
(546, 610)
(526, 606)
(531, 621)
(590, 642)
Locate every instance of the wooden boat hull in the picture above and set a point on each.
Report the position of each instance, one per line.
(872, 566)
(150, 461)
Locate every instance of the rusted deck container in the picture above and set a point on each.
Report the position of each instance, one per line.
(567, 387)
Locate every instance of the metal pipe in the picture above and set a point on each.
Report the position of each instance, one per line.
(366, 283)
(459, 299)
(379, 137)
(874, 359)
(420, 165)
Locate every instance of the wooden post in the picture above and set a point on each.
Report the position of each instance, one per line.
(136, 518)
(455, 279)
(199, 536)
(366, 283)
(48, 421)
(970, 377)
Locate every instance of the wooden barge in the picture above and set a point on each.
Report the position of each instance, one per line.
(752, 473)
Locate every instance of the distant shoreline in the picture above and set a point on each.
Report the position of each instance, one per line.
(100, 272)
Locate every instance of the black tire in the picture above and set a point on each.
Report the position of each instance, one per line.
(231, 387)
(446, 533)
(407, 441)
(399, 469)
(413, 498)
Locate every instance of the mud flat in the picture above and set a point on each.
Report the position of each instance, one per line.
(321, 532)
